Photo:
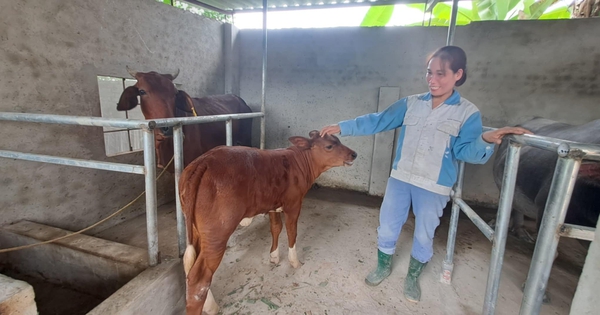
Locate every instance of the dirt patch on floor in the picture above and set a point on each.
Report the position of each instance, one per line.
(337, 246)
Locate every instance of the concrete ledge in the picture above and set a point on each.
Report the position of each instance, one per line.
(158, 290)
(16, 297)
(85, 263)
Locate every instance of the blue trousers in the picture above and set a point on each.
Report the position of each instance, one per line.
(428, 207)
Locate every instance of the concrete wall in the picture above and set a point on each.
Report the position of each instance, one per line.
(517, 70)
(50, 54)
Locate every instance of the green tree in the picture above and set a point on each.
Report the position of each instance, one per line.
(198, 10)
(481, 10)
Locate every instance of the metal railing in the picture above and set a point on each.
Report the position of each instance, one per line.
(149, 167)
(570, 154)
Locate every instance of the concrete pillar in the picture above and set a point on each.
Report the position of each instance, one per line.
(231, 57)
(586, 300)
(16, 297)
(383, 146)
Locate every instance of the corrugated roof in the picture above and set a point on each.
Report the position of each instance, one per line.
(235, 6)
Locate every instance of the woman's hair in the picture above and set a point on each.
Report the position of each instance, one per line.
(456, 57)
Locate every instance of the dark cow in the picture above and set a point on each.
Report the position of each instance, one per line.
(536, 168)
(159, 98)
(228, 184)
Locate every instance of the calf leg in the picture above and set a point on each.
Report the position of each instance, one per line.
(291, 226)
(276, 227)
(199, 297)
(189, 257)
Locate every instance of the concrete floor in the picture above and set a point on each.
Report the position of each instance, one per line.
(337, 247)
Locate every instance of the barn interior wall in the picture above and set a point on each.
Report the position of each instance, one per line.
(50, 54)
(516, 70)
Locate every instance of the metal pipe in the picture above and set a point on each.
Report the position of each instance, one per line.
(151, 216)
(448, 264)
(170, 122)
(562, 147)
(476, 219)
(76, 120)
(509, 180)
(565, 175)
(578, 232)
(228, 132)
(178, 157)
(107, 166)
(264, 77)
(452, 26)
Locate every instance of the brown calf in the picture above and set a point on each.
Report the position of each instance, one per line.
(228, 184)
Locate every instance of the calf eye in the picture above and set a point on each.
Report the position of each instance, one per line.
(329, 147)
(142, 92)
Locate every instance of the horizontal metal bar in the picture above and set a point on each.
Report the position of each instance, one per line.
(76, 120)
(108, 166)
(476, 219)
(591, 151)
(577, 231)
(169, 122)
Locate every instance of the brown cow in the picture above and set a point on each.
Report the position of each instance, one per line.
(159, 98)
(228, 184)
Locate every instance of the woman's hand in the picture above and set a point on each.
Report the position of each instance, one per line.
(495, 136)
(330, 130)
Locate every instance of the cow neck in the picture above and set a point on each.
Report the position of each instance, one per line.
(303, 159)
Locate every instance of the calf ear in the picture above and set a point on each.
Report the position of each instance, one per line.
(314, 134)
(128, 99)
(300, 142)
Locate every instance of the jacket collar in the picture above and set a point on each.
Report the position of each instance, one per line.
(454, 99)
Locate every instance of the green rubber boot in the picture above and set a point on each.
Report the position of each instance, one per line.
(383, 270)
(412, 290)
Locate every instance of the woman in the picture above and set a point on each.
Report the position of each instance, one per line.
(437, 129)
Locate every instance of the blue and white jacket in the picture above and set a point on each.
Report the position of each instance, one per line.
(430, 140)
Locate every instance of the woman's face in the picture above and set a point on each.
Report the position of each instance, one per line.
(440, 78)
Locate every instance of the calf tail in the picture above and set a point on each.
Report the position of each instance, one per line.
(189, 257)
(188, 185)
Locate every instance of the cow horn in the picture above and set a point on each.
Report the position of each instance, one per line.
(175, 74)
(131, 71)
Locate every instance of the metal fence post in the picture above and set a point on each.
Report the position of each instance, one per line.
(228, 132)
(565, 175)
(500, 232)
(448, 264)
(150, 176)
(178, 157)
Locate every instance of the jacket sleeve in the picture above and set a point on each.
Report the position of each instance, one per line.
(391, 118)
(469, 145)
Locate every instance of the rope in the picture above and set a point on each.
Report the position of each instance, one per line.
(89, 227)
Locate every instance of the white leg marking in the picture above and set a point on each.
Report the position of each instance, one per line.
(246, 221)
(280, 209)
(274, 256)
(210, 305)
(293, 257)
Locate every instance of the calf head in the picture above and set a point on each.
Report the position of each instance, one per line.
(326, 152)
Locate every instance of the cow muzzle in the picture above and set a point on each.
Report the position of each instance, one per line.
(353, 156)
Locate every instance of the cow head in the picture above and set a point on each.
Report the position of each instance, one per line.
(156, 91)
(157, 94)
(326, 152)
